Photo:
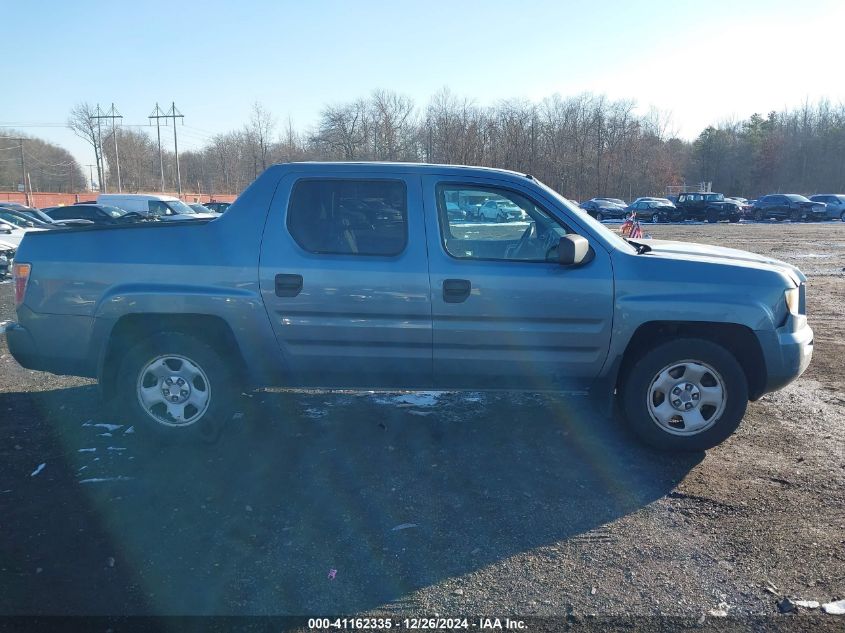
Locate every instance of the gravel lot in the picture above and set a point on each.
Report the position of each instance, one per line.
(440, 503)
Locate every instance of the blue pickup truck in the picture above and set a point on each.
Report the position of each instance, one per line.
(355, 276)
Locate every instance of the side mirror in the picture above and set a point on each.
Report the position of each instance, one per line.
(574, 250)
(6, 230)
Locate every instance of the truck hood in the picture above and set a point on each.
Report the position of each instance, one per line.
(693, 251)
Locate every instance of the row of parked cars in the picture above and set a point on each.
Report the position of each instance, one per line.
(715, 207)
(16, 219)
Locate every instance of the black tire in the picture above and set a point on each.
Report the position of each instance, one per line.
(713, 217)
(600, 216)
(794, 215)
(758, 215)
(223, 387)
(655, 218)
(734, 219)
(842, 217)
(500, 218)
(638, 379)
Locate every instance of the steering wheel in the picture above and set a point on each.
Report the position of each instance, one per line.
(528, 234)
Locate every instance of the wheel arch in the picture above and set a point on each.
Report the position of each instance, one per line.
(738, 340)
(132, 328)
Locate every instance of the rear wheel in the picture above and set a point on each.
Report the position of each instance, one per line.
(685, 395)
(655, 218)
(600, 216)
(177, 387)
(758, 215)
(734, 219)
(842, 216)
(795, 215)
(712, 217)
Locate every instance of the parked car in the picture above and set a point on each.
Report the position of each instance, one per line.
(39, 214)
(218, 207)
(7, 256)
(656, 210)
(603, 209)
(21, 220)
(499, 210)
(835, 205)
(682, 334)
(791, 206)
(712, 207)
(92, 213)
(201, 208)
(454, 211)
(11, 234)
(618, 201)
(165, 208)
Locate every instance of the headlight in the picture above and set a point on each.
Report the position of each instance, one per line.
(793, 298)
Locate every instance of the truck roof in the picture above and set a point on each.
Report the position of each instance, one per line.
(137, 196)
(431, 168)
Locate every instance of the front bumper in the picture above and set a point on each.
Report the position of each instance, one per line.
(787, 351)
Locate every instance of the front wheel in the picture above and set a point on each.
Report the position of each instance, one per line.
(685, 395)
(758, 215)
(795, 215)
(842, 216)
(655, 218)
(177, 387)
(600, 216)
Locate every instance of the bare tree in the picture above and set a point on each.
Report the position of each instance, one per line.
(85, 127)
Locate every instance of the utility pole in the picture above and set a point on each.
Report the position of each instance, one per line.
(159, 114)
(111, 114)
(101, 115)
(91, 175)
(23, 173)
(174, 114)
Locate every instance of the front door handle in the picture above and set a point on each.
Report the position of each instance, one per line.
(456, 290)
(288, 285)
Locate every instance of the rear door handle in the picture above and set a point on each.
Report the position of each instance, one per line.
(288, 285)
(456, 290)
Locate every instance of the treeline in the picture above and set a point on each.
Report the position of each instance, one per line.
(586, 145)
(46, 167)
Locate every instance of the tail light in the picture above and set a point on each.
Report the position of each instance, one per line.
(21, 273)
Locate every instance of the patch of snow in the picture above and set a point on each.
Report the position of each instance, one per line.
(316, 414)
(116, 448)
(104, 435)
(87, 450)
(96, 480)
(101, 425)
(129, 431)
(38, 470)
(418, 399)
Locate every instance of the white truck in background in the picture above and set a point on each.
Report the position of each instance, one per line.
(166, 208)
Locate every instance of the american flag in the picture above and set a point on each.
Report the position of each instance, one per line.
(631, 227)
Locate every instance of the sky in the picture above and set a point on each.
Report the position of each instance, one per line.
(700, 62)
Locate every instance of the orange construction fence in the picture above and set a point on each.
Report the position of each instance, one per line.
(41, 199)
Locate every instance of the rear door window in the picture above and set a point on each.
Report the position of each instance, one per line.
(349, 217)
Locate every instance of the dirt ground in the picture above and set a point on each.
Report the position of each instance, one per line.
(438, 503)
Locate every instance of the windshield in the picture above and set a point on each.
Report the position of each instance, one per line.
(113, 212)
(796, 198)
(594, 224)
(11, 218)
(180, 207)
